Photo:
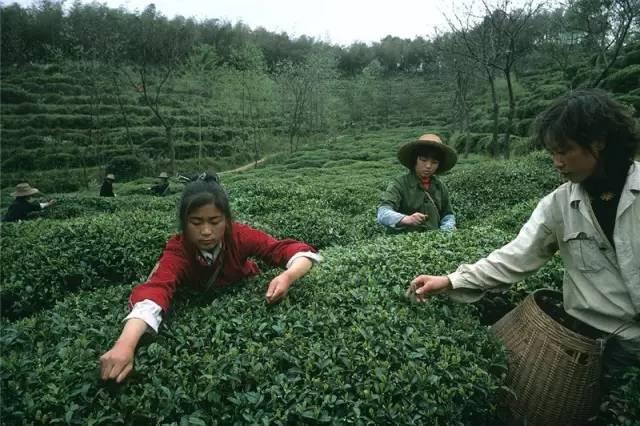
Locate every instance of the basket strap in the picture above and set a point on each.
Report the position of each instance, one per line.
(616, 332)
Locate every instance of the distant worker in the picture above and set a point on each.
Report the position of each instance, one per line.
(418, 200)
(162, 188)
(106, 190)
(22, 206)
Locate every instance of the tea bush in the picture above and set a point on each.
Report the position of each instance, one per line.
(481, 191)
(42, 261)
(344, 347)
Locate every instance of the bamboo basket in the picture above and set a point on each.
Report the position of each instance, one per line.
(555, 363)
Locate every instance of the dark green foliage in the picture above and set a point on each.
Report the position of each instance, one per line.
(20, 160)
(624, 80)
(31, 141)
(345, 346)
(42, 261)
(632, 101)
(622, 405)
(493, 185)
(125, 166)
(13, 95)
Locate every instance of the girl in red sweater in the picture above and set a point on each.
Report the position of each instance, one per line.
(211, 251)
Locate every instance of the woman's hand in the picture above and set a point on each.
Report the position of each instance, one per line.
(278, 288)
(426, 285)
(413, 220)
(117, 363)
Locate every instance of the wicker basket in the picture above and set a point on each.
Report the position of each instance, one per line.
(554, 371)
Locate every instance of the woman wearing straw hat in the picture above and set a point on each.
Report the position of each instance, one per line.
(593, 221)
(22, 206)
(106, 190)
(162, 187)
(419, 200)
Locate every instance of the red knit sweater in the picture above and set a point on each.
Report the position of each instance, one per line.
(179, 265)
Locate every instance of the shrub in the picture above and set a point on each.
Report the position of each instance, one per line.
(14, 95)
(158, 143)
(83, 253)
(78, 139)
(521, 146)
(30, 108)
(60, 160)
(356, 352)
(624, 80)
(18, 161)
(31, 141)
(125, 166)
(502, 184)
(632, 101)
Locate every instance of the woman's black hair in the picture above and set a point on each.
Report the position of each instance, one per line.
(428, 151)
(588, 116)
(203, 189)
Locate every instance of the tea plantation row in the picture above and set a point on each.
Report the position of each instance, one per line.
(345, 346)
(95, 249)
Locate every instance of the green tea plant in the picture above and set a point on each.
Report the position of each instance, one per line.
(344, 347)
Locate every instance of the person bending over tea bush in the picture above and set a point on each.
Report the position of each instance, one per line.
(162, 187)
(419, 200)
(211, 251)
(593, 220)
(106, 190)
(22, 206)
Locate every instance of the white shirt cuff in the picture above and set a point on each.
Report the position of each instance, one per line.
(149, 312)
(314, 257)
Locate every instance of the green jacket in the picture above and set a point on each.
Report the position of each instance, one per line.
(405, 195)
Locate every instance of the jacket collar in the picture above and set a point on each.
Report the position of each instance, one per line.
(577, 193)
(416, 181)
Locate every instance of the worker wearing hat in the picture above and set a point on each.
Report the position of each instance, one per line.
(22, 206)
(419, 200)
(106, 190)
(162, 188)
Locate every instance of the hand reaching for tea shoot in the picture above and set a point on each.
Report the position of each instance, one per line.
(279, 286)
(424, 286)
(117, 362)
(413, 220)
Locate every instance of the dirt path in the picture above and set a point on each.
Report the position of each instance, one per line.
(246, 166)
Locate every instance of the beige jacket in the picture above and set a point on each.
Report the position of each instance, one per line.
(601, 286)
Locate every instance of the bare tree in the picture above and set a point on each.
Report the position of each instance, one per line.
(496, 42)
(299, 83)
(161, 49)
(476, 43)
(513, 39)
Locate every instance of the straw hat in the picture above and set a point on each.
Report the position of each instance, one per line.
(407, 152)
(24, 190)
(164, 175)
(110, 176)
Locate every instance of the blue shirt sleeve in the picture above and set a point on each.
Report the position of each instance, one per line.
(388, 217)
(448, 222)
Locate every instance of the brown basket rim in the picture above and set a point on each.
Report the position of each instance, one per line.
(554, 329)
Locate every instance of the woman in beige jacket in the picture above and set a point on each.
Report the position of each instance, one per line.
(593, 220)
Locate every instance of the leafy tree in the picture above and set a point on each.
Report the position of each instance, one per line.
(604, 26)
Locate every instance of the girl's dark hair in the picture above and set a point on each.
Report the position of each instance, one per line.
(203, 189)
(427, 151)
(587, 116)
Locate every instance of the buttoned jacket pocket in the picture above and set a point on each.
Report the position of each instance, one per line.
(585, 252)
